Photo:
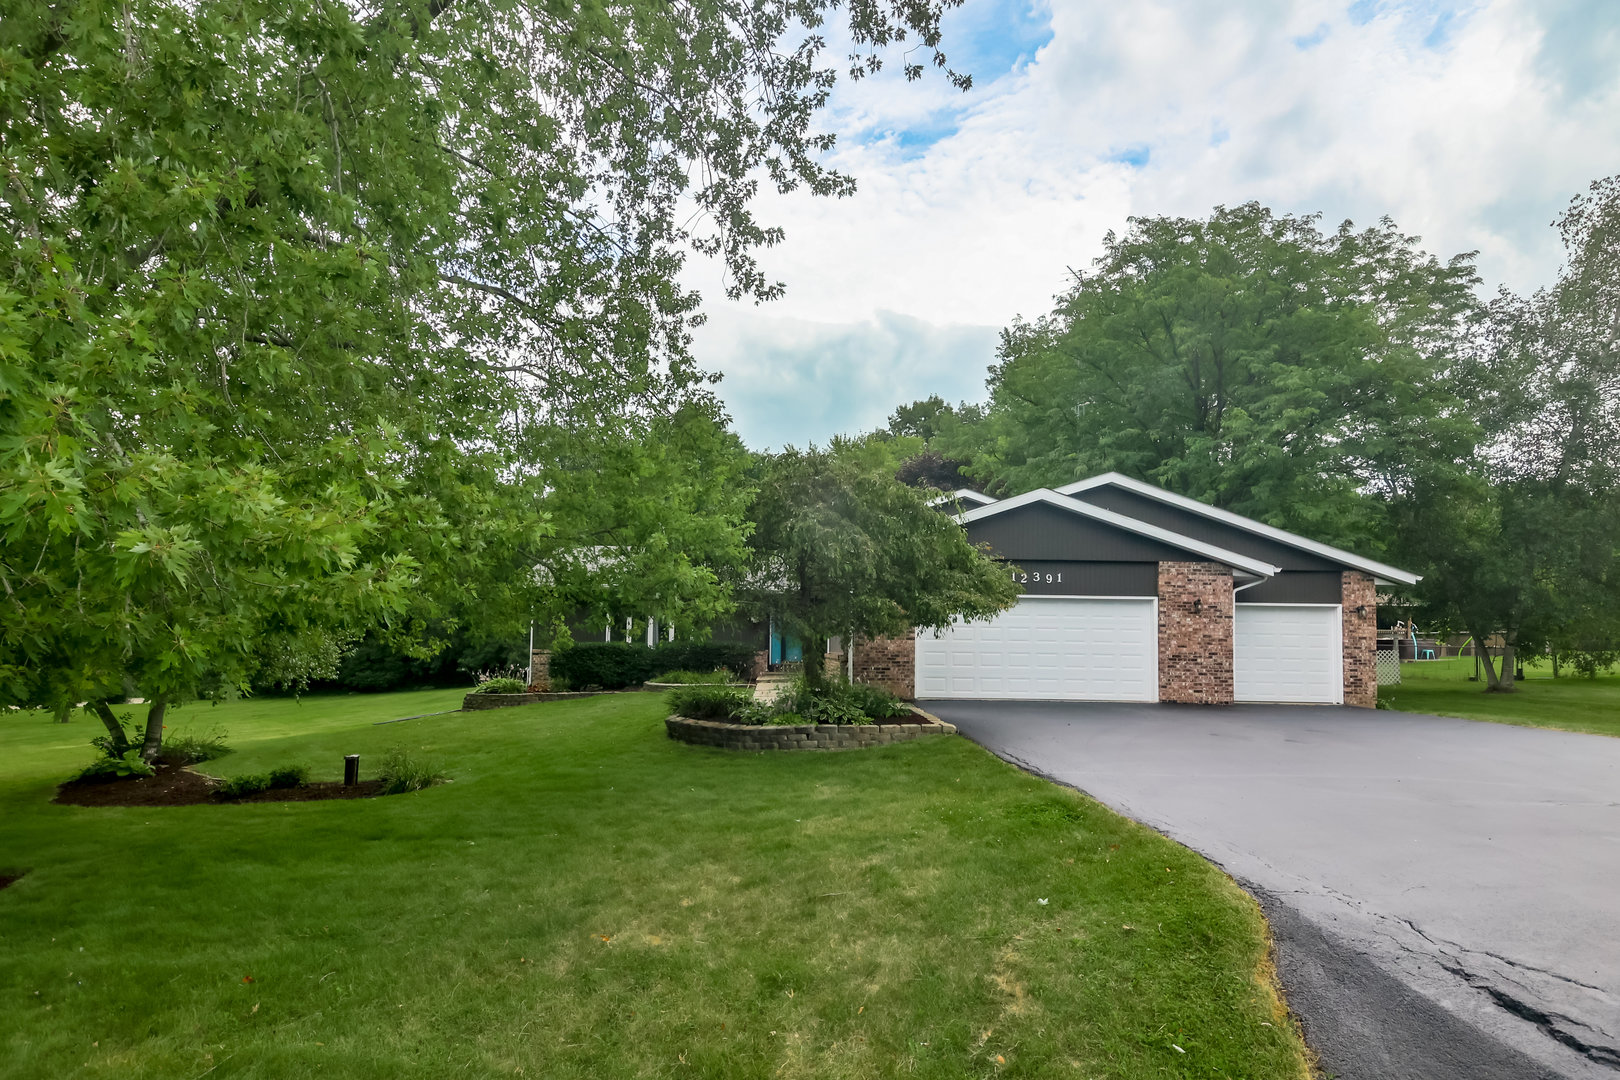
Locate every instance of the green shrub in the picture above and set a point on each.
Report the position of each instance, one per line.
(134, 734)
(835, 709)
(840, 703)
(837, 703)
(130, 763)
(399, 773)
(189, 749)
(875, 702)
(502, 685)
(692, 678)
(758, 712)
(709, 702)
(611, 665)
(735, 656)
(289, 776)
(247, 784)
(614, 665)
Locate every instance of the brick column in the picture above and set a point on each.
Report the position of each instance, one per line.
(888, 662)
(540, 671)
(1195, 646)
(1360, 639)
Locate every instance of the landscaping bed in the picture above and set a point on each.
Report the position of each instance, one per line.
(177, 785)
(731, 736)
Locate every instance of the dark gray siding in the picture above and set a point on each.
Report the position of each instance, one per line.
(1067, 578)
(1187, 523)
(1303, 587)
(1047, 533)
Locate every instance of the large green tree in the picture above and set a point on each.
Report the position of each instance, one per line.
(842, 547)
(1251, 360)
(1527, 544)
(315, 315)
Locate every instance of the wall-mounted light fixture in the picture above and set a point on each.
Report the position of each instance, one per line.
(1198, 605)
(1362, 610)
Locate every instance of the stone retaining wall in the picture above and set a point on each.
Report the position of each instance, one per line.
(798, 736)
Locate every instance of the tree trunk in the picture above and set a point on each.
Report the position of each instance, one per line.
(815, 660)
(1555, 663)
(1499, 679)
(120, 740)
(1482, 654)
(1510, 662)
(154, 730)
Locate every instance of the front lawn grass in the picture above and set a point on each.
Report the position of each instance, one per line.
(1570, 702)
(589, 899)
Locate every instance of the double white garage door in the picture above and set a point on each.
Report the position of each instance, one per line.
(1107, 649)
(1048, 649)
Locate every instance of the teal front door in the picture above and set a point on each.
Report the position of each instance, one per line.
(785, 648)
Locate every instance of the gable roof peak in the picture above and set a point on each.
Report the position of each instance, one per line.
(1257, 568)
(1381, 571)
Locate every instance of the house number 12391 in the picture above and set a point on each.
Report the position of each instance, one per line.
(1023, 577)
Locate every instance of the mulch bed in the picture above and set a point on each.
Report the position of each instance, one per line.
(7, 879)
(178, 785)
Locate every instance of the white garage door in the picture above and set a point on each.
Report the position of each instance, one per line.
(1287, 652)
(1047, 649)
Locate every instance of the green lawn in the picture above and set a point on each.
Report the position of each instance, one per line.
(1570, 702)
(590, 899)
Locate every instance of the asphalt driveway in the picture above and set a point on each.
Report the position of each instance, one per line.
(1445, 894)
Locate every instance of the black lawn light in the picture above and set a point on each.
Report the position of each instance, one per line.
(351, 770)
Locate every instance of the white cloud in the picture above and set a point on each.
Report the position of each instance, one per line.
(792, 381)
(1471, 124)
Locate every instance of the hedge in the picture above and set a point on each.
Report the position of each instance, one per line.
(614, 665)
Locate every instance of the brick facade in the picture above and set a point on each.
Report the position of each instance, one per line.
(1195, 646)
(1360, 600)
(540, 671)
(888, 662)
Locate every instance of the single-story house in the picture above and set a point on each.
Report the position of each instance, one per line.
(1133, 593)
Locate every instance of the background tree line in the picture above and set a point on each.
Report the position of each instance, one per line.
(1344, 385)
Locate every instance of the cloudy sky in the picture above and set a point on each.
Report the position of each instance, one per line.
(1470, 123)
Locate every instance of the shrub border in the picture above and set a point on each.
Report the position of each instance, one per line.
(475, 702)
(729, 736)
(662, 686)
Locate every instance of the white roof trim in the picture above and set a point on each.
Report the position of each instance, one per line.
(1128, 524)
(1386, 574)
(962, 495)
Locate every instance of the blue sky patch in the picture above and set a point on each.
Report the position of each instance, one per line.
(1363, 12)
(991, 38)
(1135, 156)
(1312, 39)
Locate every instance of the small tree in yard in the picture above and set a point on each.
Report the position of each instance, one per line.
(839, 548)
